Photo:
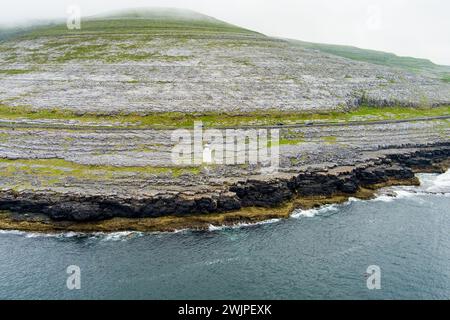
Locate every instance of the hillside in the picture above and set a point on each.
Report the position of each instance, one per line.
(154, 61)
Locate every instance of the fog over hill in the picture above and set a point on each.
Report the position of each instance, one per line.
(157, 13)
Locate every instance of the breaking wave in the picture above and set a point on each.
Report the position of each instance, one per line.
(241, 225)
(430, 184)
(313, 212)
(104, 236)
(27, 234)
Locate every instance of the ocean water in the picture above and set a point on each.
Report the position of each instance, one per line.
(316, 254)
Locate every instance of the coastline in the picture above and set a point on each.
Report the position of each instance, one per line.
(250, 215)
(305, 190)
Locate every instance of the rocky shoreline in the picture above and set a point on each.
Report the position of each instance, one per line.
(249, 200)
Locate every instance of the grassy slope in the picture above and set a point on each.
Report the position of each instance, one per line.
(180, 23)
(138, 26)
(8, 33)
(211, 119)
(106, 35)
(379, 57)
(12, 32)
(140, 21)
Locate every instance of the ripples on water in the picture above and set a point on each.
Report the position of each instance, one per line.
(318, 253)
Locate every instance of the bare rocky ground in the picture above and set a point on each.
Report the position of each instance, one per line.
(72, 173)
(193, 73)
(81, 174)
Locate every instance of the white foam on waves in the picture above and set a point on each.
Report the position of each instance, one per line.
(241, 225)
(298, 213)
(429, 184)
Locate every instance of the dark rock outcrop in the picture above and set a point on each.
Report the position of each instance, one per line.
(268, 192)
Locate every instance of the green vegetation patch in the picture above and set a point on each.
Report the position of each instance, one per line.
(15, 71)
(285, 141)
(446, 78)
(396, 113)
(330, 139)
(59, 168)
(98, 52)
(373, 56)
(83, 52)
(216, 119)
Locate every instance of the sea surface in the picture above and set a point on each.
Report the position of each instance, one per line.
(316, 254)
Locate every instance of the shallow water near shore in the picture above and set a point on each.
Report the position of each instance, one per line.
(316, 254)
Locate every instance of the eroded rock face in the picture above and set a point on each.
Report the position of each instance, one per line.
(262, 192)
(85, 175)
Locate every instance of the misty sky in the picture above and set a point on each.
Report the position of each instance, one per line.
(419, 28)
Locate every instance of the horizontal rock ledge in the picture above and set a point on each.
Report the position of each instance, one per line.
(262, 192)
